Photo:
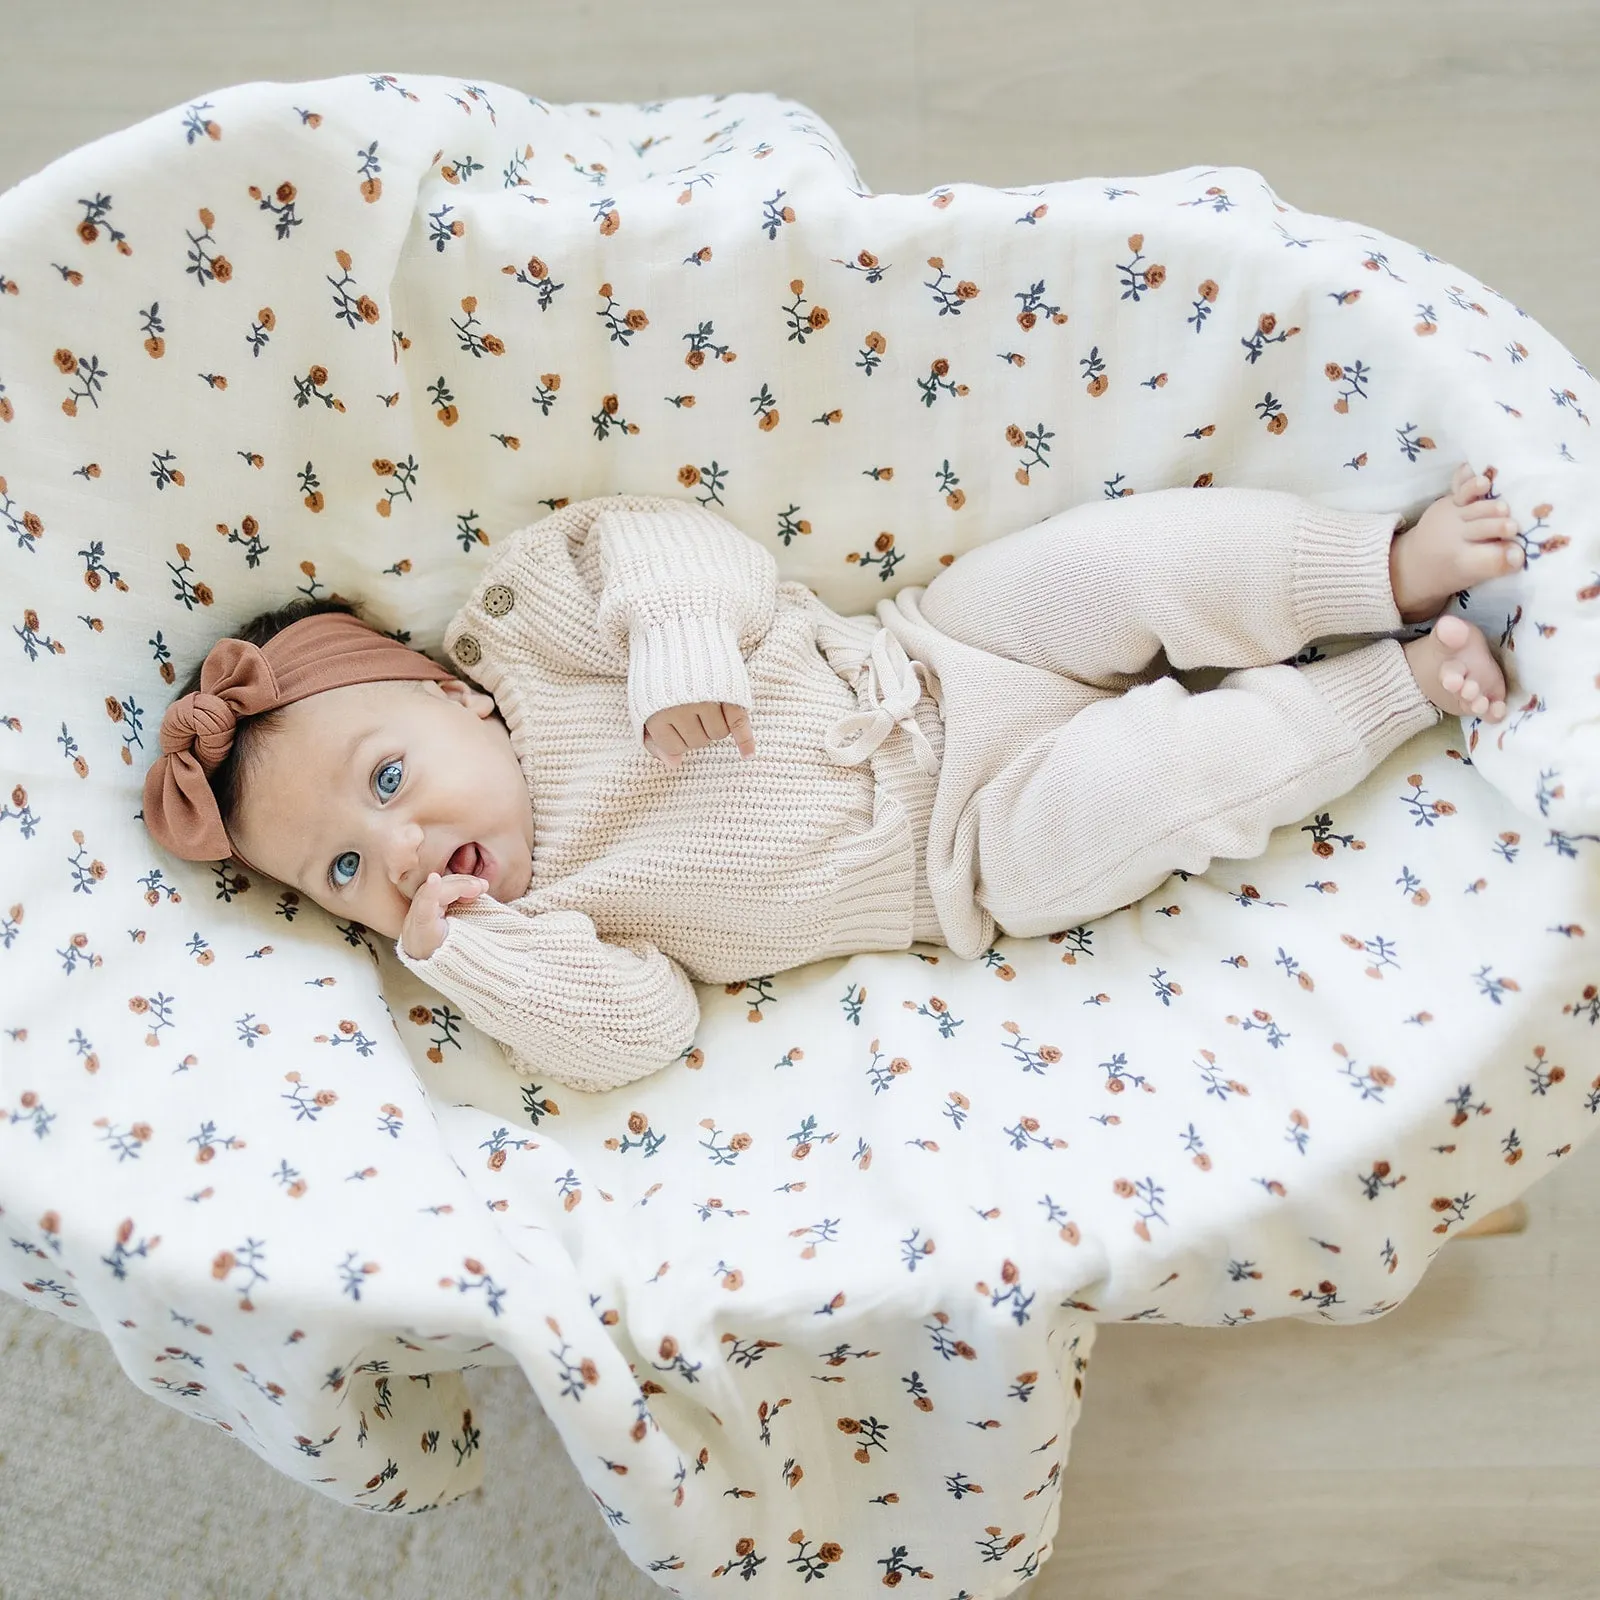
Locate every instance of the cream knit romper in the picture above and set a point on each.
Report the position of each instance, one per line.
(1074, 803)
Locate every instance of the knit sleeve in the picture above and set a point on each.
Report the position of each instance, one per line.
(558, 999)
(690, 596)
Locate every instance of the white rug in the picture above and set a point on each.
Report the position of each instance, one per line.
(108, 1495)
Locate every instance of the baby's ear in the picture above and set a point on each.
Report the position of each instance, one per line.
(475, 700)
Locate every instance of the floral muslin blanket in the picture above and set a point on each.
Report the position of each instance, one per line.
(817, 1302)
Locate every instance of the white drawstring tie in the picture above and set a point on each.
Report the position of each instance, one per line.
(893, 687)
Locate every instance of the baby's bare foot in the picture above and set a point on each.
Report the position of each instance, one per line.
(1460, 541)
(1456, 670)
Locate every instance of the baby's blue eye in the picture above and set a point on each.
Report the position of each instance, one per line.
(388, 779)
(344, 868)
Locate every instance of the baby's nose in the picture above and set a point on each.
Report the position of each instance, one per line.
(403, 850)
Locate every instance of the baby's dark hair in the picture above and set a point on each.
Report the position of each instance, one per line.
(225, 780)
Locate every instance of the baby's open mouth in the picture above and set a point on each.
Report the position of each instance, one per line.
(469, 858)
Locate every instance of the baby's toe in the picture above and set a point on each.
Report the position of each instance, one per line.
(1468, 486)
(1489, 558)
(1484, 690)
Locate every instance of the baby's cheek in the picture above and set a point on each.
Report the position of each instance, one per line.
(331, 906)
(385, 915)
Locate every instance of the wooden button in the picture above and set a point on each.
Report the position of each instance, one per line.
(498, 599)
(468, 651)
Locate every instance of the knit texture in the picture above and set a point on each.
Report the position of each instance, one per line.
(647, 879)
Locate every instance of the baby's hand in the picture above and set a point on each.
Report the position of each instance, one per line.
(424, 928)
(670, 734)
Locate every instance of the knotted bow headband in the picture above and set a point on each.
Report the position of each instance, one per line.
(243, 680)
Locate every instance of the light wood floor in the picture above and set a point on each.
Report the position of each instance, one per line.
(1451, 1450)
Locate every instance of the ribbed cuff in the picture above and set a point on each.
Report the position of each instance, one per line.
(1341, 573)
(487, 948)
(680, 661)
(467, 963)
(1373, 692)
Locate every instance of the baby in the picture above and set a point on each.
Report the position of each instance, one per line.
(659, 765)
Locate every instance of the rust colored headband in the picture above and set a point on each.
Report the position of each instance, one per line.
(242, 680)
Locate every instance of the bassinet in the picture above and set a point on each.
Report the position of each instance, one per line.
(818, 1299)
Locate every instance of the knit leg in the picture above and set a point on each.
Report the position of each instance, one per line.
(1097, 813)
(1215, 577)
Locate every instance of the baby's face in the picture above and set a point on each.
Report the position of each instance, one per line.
(361, 792)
